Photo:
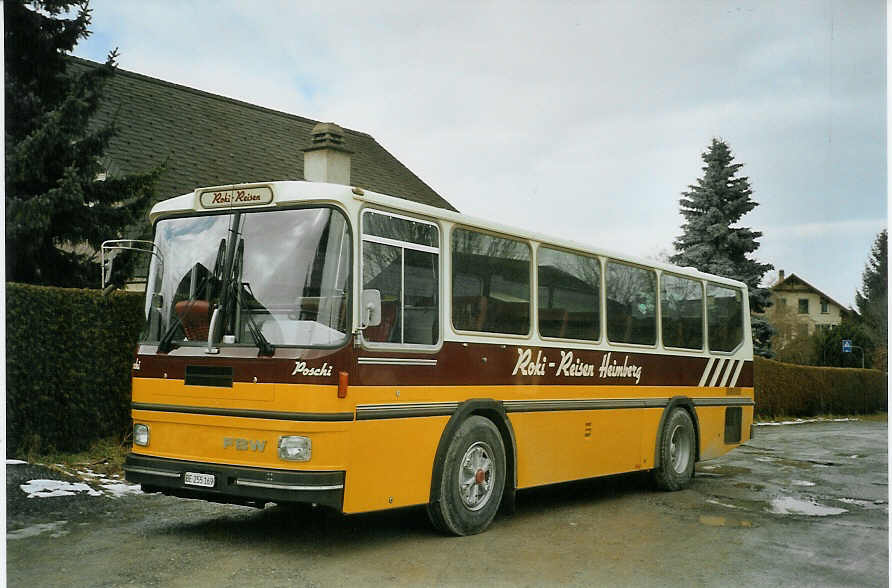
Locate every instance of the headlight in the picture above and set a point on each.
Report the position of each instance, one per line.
(140, 434)
(295, 448)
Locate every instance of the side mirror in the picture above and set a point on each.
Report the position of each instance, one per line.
(371, 308)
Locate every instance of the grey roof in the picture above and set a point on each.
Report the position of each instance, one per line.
(210, 140)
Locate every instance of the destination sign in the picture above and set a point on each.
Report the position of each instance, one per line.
(239, 197)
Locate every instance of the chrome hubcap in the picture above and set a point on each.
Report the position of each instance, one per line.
(679, 449)
(476, 476)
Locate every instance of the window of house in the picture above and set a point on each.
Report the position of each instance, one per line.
(724, 314)
(782, 302)
(569, 295)
(681, 309)
(825, 306)
(802, 330)
(400, 259)
(803, 306)
(631, 299)
(490, 283)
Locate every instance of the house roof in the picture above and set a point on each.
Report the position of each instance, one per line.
(211, 140)
(790, 282)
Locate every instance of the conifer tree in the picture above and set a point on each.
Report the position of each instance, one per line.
(59, 208)
(711, 241)
(872, 299)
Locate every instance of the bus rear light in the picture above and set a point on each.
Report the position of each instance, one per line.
(295, 448)
(343, 382)
(140, 434)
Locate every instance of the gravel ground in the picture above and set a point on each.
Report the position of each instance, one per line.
(800, 505)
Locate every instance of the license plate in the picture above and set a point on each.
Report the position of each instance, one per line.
(204, 480)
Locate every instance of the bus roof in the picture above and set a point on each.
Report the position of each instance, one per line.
(284, 193)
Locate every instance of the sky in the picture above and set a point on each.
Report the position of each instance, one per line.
(584, 120)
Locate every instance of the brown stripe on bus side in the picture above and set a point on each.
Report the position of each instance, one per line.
(246, 369)
(457, 364)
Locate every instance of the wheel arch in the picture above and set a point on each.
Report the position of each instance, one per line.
(495, 412)
(687, 404)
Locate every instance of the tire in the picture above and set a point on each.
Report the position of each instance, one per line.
(677, 452)
(472, 479)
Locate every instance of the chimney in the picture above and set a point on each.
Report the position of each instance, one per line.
(780, 276)
(327, 159)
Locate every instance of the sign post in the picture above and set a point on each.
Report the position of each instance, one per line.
(847, 348)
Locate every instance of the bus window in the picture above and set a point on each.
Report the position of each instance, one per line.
(569, 295)
(724, 317)
(631, 304)
(400, 259)
(681, 311)
(501, 267)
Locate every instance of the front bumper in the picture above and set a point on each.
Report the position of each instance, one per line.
(238, 485)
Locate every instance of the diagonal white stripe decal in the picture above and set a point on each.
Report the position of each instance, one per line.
(706, 371)
(728, 371)
(718, 370)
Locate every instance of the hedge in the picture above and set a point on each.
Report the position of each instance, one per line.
(785, 389)
(68, 358)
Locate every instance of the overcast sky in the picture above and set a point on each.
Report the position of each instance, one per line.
(580, 119)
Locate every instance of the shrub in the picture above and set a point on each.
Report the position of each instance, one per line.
(784, 389)
(68, 359)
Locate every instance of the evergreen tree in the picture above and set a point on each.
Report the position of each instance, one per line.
(872, 299)
(58, 210)
(710, 242)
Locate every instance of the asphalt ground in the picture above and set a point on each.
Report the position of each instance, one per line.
(800, 505)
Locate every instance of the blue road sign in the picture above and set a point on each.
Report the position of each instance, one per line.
(846, 345)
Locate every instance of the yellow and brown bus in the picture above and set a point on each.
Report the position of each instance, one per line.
(317, 343)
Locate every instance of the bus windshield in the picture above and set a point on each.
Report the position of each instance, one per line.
(278, 277)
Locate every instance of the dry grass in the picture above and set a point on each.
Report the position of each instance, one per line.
(105, 456)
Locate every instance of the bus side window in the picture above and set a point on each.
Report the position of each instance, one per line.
(400, 258)
(490, 283)
(724, 314)
(681, 311)
(569, 295)
(631, 304)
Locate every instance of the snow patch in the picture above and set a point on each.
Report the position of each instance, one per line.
(802, 483)
(118, 489)
(39, 529)
(15, 462)
(804, 421)
(50, 488)
(863, 503)
(788, 505)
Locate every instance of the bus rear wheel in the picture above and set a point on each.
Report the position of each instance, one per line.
(472, 479)
(677, 452)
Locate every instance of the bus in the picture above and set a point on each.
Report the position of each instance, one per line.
(318, 343)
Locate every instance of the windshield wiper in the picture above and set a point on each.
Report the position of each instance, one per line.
(266, 348)
(166, 342)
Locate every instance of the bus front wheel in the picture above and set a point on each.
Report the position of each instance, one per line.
(472, 480)
(677, 452)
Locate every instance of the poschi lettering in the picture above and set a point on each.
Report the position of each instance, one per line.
(300, 367)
